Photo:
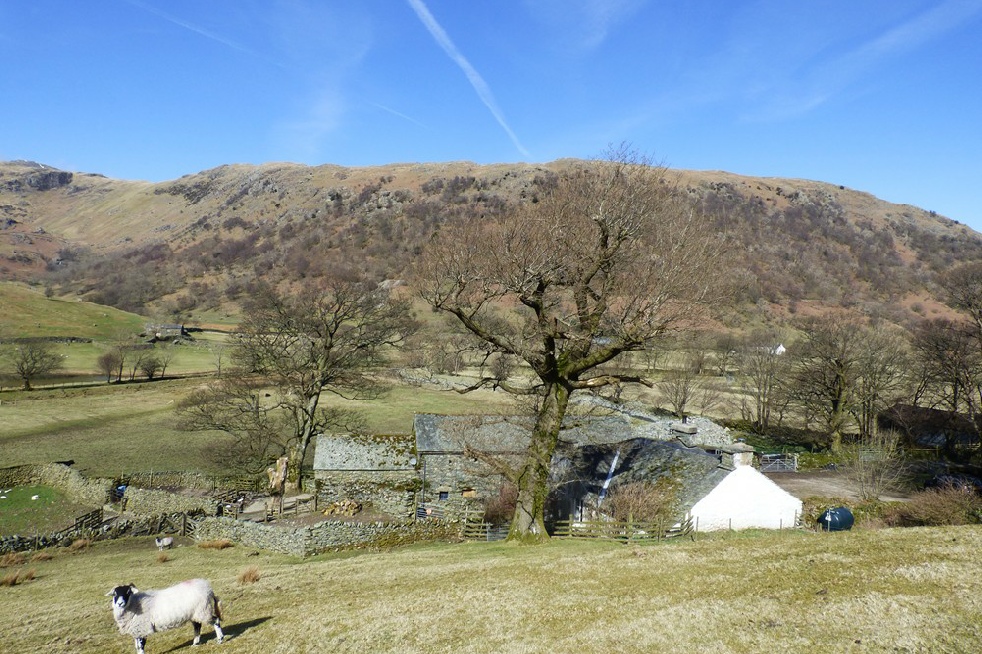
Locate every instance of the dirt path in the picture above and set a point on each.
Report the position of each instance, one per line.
(823, 483)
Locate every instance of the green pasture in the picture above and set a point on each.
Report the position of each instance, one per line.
(27, 510)
(108, 429)
(26, 312)
(890, 590)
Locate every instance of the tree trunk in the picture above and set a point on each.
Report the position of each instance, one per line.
(528, 524)
(294, 467)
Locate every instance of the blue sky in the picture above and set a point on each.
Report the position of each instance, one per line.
(883, 96)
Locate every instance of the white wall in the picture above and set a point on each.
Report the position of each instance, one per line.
(746, 499)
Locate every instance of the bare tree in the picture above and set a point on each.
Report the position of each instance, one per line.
(963, 286)
(150, 365)
(679, 387)
(164, 355)
(876, 462)
(320, 340)
(135, 354)
(763, 367)
(110, 364)
(727, 350)
(825, 371)
(32, 359)
(608, 261)
(881, 375)
(949, 366)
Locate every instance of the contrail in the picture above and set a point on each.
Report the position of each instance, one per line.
(398, 113)
(191, 27)
(483, 91)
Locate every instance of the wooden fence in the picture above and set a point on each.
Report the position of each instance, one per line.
(280, 507)
(90, 520)
(475, 528)
(628, 531)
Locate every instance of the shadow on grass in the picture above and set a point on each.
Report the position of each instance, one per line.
(230, 630)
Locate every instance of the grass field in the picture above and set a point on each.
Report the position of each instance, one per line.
(892, 590)
(30, 510)
(26, 312)
(111, 429)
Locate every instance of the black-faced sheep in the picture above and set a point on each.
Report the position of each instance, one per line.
(164, 543)
(141, 613)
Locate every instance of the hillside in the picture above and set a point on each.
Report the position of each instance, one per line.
(887, 590)
(194, 245)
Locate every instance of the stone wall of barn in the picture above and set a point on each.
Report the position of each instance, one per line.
(393, 492)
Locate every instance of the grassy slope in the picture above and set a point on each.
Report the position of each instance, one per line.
(26, 312)
(895, 590)
(108, 429)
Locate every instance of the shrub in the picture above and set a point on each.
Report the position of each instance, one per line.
(250, 575)
(163, 557)
(500, 509)
(643, 500)
(80, 544)
(11, 559)
(219, 544)
(947, 505)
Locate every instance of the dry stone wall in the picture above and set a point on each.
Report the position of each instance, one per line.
(56, 475)
(325, 536)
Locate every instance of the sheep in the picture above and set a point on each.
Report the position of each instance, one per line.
(141, 613)
(164, 543)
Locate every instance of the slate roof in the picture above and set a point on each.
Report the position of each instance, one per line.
(696, 471)
(350, 452)
(508, 434)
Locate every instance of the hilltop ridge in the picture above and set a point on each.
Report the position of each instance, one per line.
(197, 241)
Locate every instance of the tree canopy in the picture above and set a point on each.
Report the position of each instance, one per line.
(607, 261)
(291, 349)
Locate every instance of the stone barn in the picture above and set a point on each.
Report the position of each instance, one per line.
(378, 472)
(447, 465)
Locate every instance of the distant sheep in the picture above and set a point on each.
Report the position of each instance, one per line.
(164, 543)
(141, 613)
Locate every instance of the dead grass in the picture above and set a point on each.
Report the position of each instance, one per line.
(250, 575)
(11, 559)
(17, 577)
(219, 544)
(892, 590)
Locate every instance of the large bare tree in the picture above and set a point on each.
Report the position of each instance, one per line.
(763, 366)
(31, 359)
(949, 366)
(825, 371)
(607, 261)
(290, 350)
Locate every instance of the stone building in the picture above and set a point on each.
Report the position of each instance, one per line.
(447, 465)
(379, 471)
